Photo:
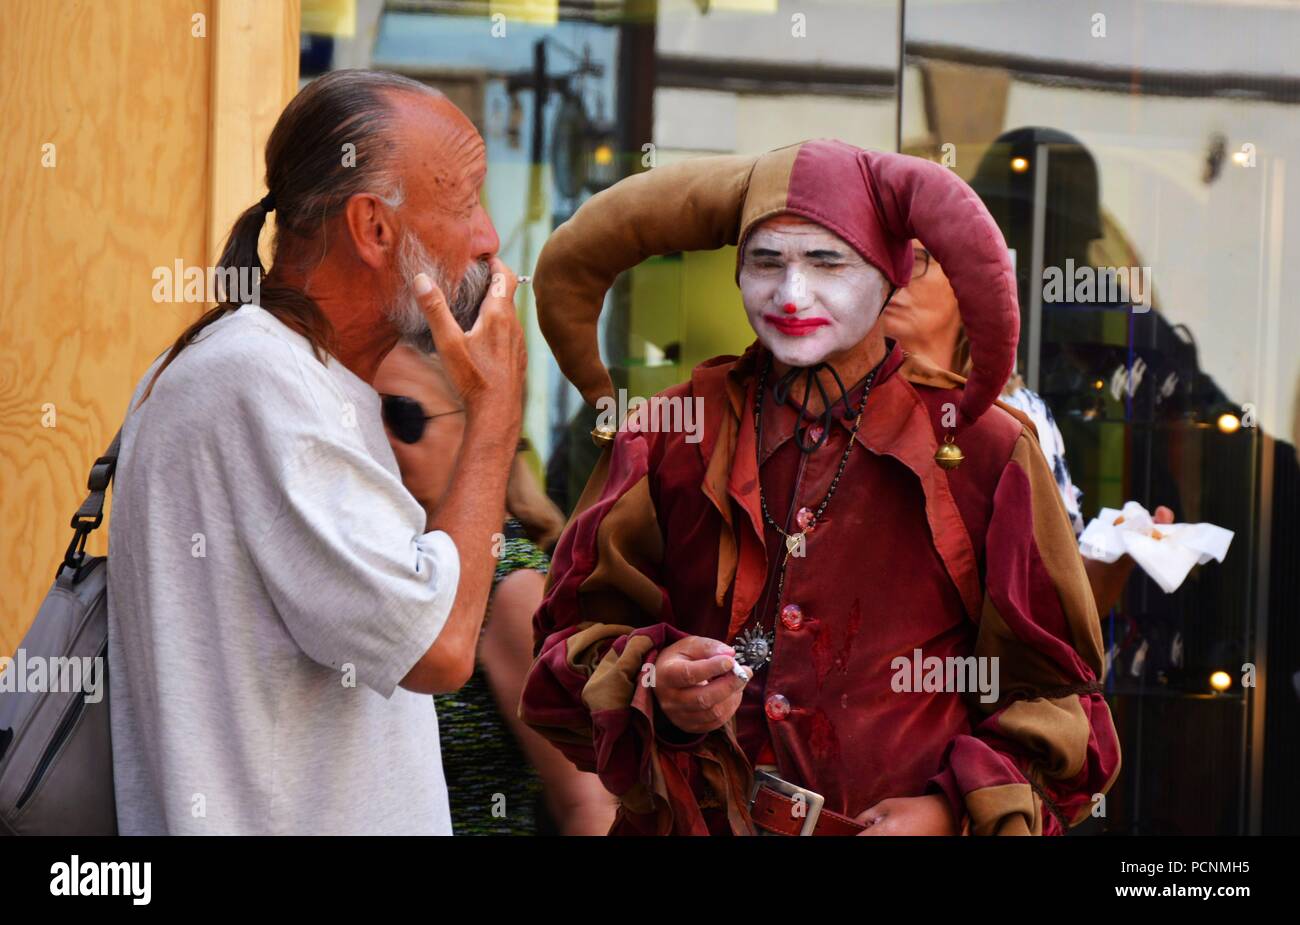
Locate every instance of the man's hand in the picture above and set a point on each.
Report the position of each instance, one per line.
(695, 685)
(486, 365)
(927, 815)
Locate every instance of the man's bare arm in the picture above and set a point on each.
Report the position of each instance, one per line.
(486, 366)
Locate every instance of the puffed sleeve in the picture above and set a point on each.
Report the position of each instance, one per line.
(1038, 758)
(604, 620)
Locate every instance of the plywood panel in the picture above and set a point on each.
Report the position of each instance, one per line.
(245, 102)
(123, 91)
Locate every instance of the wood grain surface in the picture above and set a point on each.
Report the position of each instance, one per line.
(138, 109)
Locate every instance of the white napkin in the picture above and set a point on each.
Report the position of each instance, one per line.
(1166, 552)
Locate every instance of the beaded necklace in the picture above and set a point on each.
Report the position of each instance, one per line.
(754, 646)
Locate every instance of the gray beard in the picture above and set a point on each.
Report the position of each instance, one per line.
(404, 311)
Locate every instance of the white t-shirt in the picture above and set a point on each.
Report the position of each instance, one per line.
(270, 583)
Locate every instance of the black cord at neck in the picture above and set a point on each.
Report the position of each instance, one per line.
(781, 391)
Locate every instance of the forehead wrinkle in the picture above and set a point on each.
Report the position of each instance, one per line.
(442, 149)
(458, 160)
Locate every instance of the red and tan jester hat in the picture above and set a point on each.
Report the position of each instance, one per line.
(877, 202)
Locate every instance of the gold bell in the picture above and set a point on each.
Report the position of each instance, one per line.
(603, 436)
(949, 455)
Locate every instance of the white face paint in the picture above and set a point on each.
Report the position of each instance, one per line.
(836, 295)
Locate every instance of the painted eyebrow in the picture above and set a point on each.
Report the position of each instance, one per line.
(818, 254)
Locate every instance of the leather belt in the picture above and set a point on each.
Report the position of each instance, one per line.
(779, 807)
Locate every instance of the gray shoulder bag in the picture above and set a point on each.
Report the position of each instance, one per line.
(56, 758)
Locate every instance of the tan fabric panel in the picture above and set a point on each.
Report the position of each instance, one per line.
(1057, 730)
(715, 486)
(1009, 809)
(769, 189)
(614, 682)
(579, 649)
(1059, 550)
(628, 544)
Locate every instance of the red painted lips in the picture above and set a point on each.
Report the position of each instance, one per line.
(794, 327)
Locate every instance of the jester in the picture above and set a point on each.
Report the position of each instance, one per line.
(731, 623)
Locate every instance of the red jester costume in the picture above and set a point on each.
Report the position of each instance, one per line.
(911, 522)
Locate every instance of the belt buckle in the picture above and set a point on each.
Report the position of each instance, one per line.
(813, 800)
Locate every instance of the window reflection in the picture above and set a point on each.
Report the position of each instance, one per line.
(1136, 164)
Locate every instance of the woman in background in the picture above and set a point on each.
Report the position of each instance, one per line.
(503, 778)
(923, 317)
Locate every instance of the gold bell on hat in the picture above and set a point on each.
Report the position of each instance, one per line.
(949, 454)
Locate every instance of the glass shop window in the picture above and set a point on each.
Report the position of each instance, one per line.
(1137, 166)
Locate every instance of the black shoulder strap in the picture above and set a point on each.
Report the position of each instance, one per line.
(91, 513)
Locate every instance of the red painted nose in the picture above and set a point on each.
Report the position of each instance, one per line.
(790, 308)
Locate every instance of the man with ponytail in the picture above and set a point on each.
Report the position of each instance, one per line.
(278, 611)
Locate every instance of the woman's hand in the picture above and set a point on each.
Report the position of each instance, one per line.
(1107, 579)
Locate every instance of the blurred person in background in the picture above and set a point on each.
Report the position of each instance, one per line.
(486, 750)
(924, 318)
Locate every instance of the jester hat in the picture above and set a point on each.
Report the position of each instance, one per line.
(875, 201)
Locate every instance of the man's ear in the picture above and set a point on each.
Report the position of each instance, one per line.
(370, 227)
